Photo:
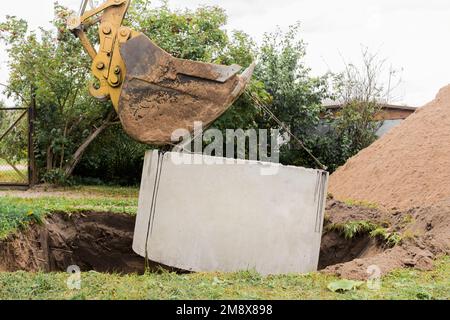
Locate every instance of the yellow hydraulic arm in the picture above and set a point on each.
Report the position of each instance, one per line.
(108, 66)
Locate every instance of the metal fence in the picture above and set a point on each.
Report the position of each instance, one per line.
(16, 147)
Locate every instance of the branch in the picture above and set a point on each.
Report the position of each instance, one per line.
(17, 93)
(78, 155)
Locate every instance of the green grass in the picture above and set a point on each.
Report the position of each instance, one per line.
(399, 285)
(11, 176)
(18, 212)
(353, 229)
(392, 239)
(105, 191)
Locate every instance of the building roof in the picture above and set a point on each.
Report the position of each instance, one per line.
(389, 111)
(385, 106)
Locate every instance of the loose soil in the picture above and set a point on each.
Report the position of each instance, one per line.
(405, 173)
(425, 234)
(103, 242)
(406, 168)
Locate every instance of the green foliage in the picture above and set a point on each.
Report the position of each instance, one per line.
(14, 146)
(345, 285)
(55, 67)
(379, 232)
(346, 133)
(408, 219)
(200, 35)
(244, 114)
(394, 239)
(17, 213)
(356, 126)
(14, 216)
(189, 34)
(296, 95)
(352, 229)
(56, 177)
(391, 239)
(362, 94)
(112, 192)
(360, 203)
(115, 158)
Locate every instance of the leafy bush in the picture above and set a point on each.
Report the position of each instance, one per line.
(56, 177)
(360, 91)
(296, 95)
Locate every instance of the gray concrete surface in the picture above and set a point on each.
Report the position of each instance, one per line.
(230, 218)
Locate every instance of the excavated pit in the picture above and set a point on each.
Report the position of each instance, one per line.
(102, 242)
(336, 249)
(99, 242)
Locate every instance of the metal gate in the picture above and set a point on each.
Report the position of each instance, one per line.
(16, 152)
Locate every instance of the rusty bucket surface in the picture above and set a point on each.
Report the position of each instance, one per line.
(162, 94)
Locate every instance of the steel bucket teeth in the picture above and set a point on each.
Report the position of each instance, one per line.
(162, 94)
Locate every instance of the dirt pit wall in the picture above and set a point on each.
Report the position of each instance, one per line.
(102, 242)
(416, 238)
(93, 241)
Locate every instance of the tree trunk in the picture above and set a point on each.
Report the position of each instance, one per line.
(49, 158)
(61, 162)
(78, 155)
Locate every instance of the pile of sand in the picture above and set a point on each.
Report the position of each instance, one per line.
(408, 167)
(406, 174)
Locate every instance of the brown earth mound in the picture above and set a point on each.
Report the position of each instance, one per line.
(407, 168)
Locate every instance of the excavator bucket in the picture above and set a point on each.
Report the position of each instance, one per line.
(154, 93)
(161, 94)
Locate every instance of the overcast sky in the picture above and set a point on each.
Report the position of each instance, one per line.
(412, 34)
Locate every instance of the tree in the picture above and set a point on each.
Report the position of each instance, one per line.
(114, 158)
(187, 34)
(361, 91)
(296, 95)
(68, 120)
